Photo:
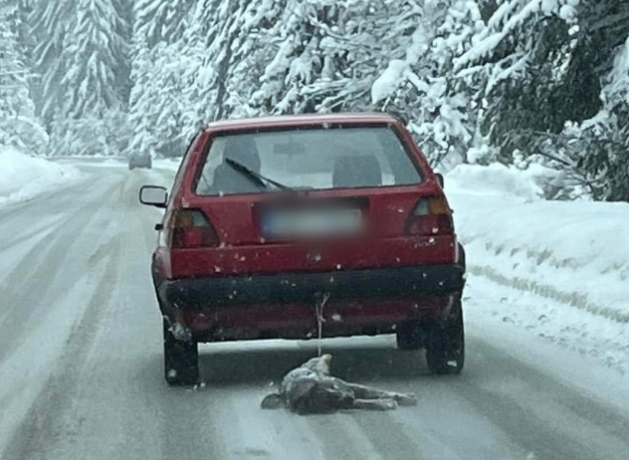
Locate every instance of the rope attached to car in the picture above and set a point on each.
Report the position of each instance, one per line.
(320, 301)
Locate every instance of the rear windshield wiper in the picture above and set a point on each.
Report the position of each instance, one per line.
(255, 177)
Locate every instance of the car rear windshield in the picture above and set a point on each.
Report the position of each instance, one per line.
(306, 159)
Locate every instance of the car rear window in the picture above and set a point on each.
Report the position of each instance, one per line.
(307, 159)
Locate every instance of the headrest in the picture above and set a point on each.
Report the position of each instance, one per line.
(243, 149)
(357, 171)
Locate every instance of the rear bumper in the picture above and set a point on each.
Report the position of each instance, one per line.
(295, 288)
(361, 302)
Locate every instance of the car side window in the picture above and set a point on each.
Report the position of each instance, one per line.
(214, 159)
(183, 164)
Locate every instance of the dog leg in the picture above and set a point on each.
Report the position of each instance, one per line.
(365, 392)
(382, 404)
(406, 399)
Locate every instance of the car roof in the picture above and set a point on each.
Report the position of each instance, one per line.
(301, 120)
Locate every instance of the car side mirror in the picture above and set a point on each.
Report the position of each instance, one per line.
(152, 195)
(439, 178)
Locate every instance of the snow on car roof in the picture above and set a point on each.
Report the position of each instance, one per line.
(295, 120)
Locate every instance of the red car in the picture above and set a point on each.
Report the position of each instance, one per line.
(275, 222)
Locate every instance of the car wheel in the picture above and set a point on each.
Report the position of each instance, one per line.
(408, 336)
(181, 359)
(445, 344)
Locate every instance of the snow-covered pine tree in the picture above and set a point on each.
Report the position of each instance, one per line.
(161, 106)
(167, 55)
(18, 125)
(485, 79)
(519, 58)
(220, 27)
(314, 56)
(616, 98)
(143, 101)
(161, 21)
(597, 150)
(556, 110)
(598, 83)
(18, 13)
(420, 81)
(168, 49)
(93, 52)
(50, 22)
(125, 32)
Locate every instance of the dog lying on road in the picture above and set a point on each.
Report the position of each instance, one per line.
(310, 389)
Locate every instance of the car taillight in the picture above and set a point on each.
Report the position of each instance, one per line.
(431, 216)
(191, 229)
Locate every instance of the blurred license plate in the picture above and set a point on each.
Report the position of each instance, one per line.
(304, 223)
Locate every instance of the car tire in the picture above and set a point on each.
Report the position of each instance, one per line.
(408, 336)
(181, 360)
(445, 344)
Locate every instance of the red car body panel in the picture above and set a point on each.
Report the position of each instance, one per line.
(282, 258)
(296, 321)
(244, 252)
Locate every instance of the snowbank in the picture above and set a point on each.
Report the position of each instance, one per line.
(572, 257)
(22, 177)
(494, 180)
(170, 164)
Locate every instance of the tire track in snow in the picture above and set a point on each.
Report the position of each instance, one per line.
(543, 415)
(185, 419)
(547, 321)
(598, 415)
(396, 438)
(96, 424)
(342, 435)
(50, 421)
(22, 274)
(58, 224)
(26, 291)
(572, 299)
(43, 424)
(188, 423)
(34, 205)
(41, 230)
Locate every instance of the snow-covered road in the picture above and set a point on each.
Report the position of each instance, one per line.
(81, 362)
